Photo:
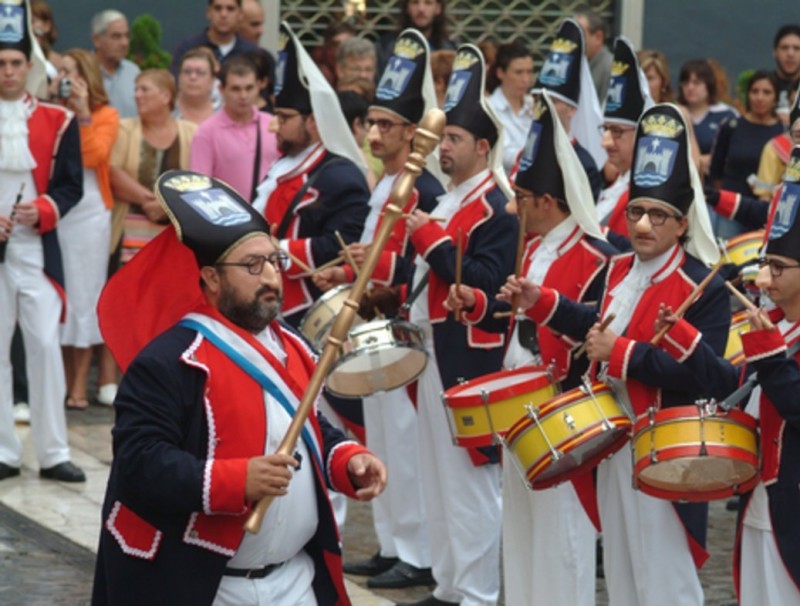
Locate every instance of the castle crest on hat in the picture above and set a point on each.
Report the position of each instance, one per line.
(400, 86)
(625, 101)
(291, 88)
(539, 169)
(464, 103)
(784, 230)
(208, 215)
(561, 71)
(14, 28)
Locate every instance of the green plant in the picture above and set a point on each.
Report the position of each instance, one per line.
(145, 48)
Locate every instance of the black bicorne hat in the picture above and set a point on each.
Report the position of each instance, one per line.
(625, 102)
(464, 101)
(660, 168)
(291, 87)
(561, 71)
(539, 170)
(14, 26)
(784, 231)
(209, 216)
(400, 87)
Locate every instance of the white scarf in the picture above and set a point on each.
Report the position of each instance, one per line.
(15, 155)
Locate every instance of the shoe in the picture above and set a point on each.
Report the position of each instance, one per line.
(107, 393)
(73, 403)
(429, 601)
(402, 574)
(22, 413)
(63, 472)
(6, 471)
(375, 565)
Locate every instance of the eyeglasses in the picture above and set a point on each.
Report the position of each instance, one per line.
(615, 131)
(521, 196)
(656, 216)
(255, 266)
(284, 117)
(384, 125)
(193, 71)
(775, 267)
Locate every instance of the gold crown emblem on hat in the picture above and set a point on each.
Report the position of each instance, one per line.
(539, 107)
(618, 68)
(283, 40)
(184, 183)
(408, 48)
(660, 125)
(792, 173)
(562, 45)
(464, 60)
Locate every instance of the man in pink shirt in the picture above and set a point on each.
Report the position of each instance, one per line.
(233, 142)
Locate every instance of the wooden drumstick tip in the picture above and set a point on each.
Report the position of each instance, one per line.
(750, 305)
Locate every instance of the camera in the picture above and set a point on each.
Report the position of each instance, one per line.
(65, 88)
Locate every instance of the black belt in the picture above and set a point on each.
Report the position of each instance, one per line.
(252, 573)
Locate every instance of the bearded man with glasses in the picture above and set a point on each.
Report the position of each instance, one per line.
(673, 247)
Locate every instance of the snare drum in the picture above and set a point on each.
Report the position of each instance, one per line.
(567, 435)
(742, 249)
(318, 320)
(487, 406)
(686, 453)
(378, 356)
(734, 350)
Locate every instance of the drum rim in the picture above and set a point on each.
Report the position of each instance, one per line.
(675, 413)
(476, 399)
(324, 298)
(364, 395)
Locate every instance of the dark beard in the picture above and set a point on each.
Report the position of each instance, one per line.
(292, 148)
(254, 316)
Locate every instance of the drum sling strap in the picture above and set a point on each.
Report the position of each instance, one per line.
(280, 233)
(406, 307)
(750, 383)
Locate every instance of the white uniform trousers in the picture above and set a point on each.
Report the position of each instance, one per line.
(28, 296)
(289, 585)
(398, 514)
(549, 554)
(462, 501)
(646, 553)
(763, 578)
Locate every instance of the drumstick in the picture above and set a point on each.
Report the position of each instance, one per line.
(517, 266)
(294, 259)
(346, 252)
(603, 325)
(686, 303)
(459, 261)
(750, 305)
(430, 218)
(329, 264)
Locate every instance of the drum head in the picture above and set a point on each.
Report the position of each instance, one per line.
(381, 369)
(697, 478)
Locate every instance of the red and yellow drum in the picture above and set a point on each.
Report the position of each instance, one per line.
(734, 350)
(567, 435)
(485, 407)
(687, 453)
(742, 249)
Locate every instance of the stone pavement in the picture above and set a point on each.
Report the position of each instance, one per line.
(49, 530)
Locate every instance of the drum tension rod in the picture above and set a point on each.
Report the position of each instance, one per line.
(533, 413)
(587, 389)
(651, 416)
(485, 400)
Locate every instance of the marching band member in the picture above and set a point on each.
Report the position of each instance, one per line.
(40, 152)
(648, 557)
(405, 91)
(766, 562)
(461, 487)
(317, 186)
(566, 75)
(549, 535)
(200, 413)
(628, 97)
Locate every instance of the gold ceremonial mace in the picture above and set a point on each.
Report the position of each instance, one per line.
(425, 140)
